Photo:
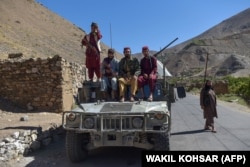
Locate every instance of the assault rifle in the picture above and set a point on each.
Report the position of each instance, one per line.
(157, 53)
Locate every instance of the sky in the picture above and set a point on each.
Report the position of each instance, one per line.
(152, 23)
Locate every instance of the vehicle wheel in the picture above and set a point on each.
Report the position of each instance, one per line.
(161, 141)
(76, 146)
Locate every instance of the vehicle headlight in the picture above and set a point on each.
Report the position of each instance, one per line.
(88, 123)
(71, 116)
(159, 115)
(137, 122)
(156, 115)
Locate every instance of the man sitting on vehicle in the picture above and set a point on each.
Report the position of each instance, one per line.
(109, 69)
(148, 74)
(129, 69)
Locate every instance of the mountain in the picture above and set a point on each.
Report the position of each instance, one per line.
(226, 45)
(29, 28)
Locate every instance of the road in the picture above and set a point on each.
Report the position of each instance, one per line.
(187, 127)
(186, 134)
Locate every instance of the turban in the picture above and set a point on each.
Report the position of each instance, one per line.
(145, 48)
(93, 24)
(111, 51)
(126, 48)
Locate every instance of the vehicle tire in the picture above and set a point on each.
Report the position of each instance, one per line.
(76, 146)
(161, 142)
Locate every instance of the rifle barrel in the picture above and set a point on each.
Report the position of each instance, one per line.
(165, 47)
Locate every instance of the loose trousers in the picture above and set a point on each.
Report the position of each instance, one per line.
(123, 83)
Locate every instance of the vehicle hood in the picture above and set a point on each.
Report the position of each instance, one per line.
(122, 107)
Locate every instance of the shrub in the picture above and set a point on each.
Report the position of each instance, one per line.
(239, 86)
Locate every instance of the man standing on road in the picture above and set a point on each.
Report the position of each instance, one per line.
(93, 49)
(208, 104)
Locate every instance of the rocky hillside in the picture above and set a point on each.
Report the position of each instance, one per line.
(226, 44)
(29, 28)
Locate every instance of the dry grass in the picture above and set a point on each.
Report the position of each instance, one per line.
(32, 29)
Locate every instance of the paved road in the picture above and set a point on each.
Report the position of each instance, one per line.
(187, 127)
(187, 134)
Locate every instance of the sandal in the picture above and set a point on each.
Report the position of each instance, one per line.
(214, 131)
(150, 99)
(122, 99)
(207, 128)
(103, 100)
(132, 99)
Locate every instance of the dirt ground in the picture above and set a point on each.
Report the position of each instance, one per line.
(11, 115)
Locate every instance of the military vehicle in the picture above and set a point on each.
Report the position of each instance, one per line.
(142, 124)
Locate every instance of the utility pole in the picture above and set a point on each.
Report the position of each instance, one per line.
(110, 35)
(205, 75)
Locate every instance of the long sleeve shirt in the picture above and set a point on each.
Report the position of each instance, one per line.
(110, 66)
(92, 42)
(148, 65)
(129, 67)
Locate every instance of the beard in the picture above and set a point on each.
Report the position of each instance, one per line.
(127, 55)
(110, 58)
(208, 87)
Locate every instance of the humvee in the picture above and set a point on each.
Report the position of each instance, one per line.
(142, 124)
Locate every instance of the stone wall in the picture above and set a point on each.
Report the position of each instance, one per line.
(21, 143)
(78, 75)
(220, 86)
(40, 84)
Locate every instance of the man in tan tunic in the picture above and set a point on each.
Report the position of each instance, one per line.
(208, 104)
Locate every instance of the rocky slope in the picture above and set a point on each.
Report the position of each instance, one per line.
(226, 44)
(28, 27)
